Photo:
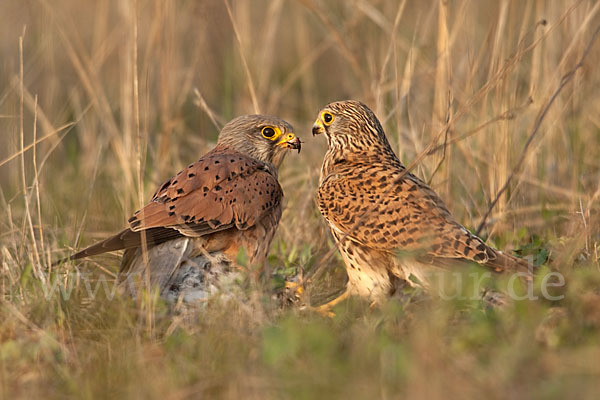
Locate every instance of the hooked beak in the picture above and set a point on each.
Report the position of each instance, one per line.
(318, 127)
(290, 141)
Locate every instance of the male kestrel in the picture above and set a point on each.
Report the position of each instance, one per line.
(387, 223)
(227, 200)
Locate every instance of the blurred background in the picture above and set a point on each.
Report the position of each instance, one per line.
(101, 101)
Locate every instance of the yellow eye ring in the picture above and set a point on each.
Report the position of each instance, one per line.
(327, 118)
(270, 132)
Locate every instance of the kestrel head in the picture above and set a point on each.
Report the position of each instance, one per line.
(263, 137)
(350, 125)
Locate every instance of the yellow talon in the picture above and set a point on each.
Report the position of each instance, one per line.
(325, 309)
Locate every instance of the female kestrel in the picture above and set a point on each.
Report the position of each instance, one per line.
(227, 200)
(387, 223)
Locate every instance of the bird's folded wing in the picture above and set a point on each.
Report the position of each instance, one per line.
(224, 189)
(221, 190)
(398, 212)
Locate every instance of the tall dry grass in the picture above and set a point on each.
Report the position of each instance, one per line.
(101, 101)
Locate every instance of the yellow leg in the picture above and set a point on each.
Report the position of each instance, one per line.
(325, 309)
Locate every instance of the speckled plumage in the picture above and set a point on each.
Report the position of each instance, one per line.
(227, 200)
(387, 223)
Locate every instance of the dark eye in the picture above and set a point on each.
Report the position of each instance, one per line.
(268, 132)
(327, 118)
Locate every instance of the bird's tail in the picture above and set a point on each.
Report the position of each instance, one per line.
(126, 239)
(508, 263)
